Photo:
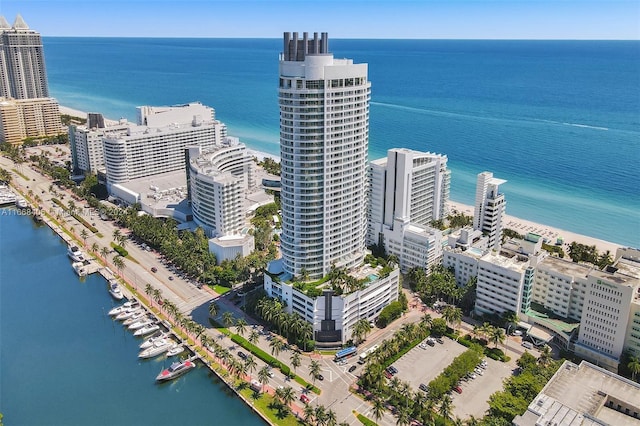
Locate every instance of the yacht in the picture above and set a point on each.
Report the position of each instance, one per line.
(128, 313)
(119, 309)
(21, 203)
(149, 341)
(80, 268)
(114, 290)
(6, 196)
(177, 369)
(147, 329)
(141, 322)
(75, 254)
(159, 347)
(134, 317)
(175, 350)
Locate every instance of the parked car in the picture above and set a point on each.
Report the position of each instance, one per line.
(457, 389)
(439, 340)
(431, 343)
(242, 355)
(517, 333)
(423, 387)
(391, 369)
(320, 377)
(304, 398)
(527, 345)
(154, 269)
(352, 369)
(388, 375)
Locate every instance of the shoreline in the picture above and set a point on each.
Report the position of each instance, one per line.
(517, 224)
(524, 226)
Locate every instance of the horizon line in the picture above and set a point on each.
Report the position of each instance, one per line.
(341, 38)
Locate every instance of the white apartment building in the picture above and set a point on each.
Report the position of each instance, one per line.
(324, 138)
(141, 150)
(218, 181)
(463, 250)
(407, 190)
(87, 146)
(22, 67)
(332, 316)
(503, 284)
(561, 286)
(489, 208)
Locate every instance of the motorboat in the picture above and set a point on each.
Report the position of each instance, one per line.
(75, 254)
(176, 369)
(135, 317)
(175, 350)
(149, 341)
(141, 322)
(158, 347)
(147, 329)
(114, 290)
(80, 268)
(128, 313)
(21, 203)
(118, 309)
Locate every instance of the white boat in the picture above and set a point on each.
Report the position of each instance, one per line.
(135, 317)
(114, 290)
(158, 347)
(177, 369)
(175, 350)
(147, 329)
(75, 254)
(125, 315)
(119, 309)
(21, 203)
(149, 341)
(141, 322)
(80, 268)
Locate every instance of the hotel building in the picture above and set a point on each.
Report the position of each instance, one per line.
(87, 145)
(489, 208)
(324, 136)
(407, 191)
(157, 143)
(218, 180)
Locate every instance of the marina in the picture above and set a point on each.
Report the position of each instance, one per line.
(88, 355)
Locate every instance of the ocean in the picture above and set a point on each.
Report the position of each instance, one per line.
(559, 120)
(64, 361)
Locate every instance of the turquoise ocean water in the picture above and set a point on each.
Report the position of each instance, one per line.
(63, 361)
(560, 120)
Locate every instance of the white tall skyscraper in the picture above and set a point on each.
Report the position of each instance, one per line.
(22, 68)
(489, 208)
(324, 137)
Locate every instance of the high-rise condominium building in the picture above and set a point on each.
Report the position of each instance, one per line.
(324, 137)
(22, 68)
(24, 118)
(489, 208)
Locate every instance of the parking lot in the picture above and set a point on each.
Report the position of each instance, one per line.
(475, 393)
(423, 365)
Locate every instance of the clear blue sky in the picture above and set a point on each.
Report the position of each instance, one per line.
(455, 19)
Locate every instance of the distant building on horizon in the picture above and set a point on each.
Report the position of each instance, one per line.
(489, 208)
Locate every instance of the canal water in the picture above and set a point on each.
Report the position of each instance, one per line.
(63, 361)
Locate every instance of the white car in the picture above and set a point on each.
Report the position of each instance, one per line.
(517, 333)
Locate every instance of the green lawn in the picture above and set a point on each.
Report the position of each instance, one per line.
(263, 403)
(220, 289)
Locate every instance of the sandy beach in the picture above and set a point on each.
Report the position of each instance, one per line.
(523, 226)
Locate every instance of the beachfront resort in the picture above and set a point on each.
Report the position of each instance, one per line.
(329, 236)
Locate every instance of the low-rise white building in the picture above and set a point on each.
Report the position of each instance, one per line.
(333, 316)
(464, 247)
(228, 247)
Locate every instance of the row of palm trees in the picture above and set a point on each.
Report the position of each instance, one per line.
(289, 325)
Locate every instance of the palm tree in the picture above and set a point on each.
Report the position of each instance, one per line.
(634, 367)
(295, 360)
(378, 409)
(361, 328)
(545, 356)
(472, 421)
(276, 346)
(213, 309)
(452, 315)
(251, 365)
(288, 395)
(253, 337)
(84, 235)
(148, 290)
(330, 418)
(104, 252)
(118, 262)
(404, 418)
(497, 335)
(95, 247)
(321, 415)
(116, 235)
(309, 413)
(426, 321)
(263, 376)
(241, 326)
(314, 370)
(157, 295)
(227, 319)
(446, 407)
